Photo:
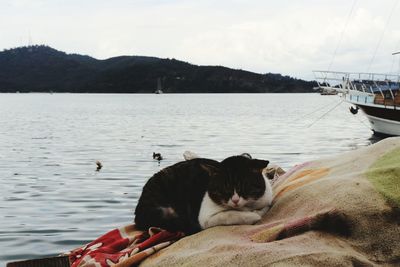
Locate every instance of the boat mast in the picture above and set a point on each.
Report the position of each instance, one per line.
(398, 77)
(159, 84)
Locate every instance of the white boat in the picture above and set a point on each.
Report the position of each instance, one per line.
(377, 95)
(159, 87)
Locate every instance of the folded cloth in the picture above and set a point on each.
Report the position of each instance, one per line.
(125, 246)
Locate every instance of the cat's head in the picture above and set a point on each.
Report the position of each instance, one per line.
(239, 183)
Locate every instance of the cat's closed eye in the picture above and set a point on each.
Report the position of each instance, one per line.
(217, 194)
(256, 191)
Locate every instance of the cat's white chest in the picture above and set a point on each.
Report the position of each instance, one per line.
(212, 214)
(208, 208)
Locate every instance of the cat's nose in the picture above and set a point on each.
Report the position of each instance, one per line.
(235, 199)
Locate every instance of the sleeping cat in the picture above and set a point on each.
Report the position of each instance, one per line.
(202, 193)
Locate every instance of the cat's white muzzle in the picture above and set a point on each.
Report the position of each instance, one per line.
(236, 203)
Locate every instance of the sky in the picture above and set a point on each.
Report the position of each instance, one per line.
(286, 36)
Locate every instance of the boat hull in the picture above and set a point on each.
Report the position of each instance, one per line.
(387, 113)
(385, 127)
(384, 121)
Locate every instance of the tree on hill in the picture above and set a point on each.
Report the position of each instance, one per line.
(40, 68)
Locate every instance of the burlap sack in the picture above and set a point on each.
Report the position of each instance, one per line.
(339, 211)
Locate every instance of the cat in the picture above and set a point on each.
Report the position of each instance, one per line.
(200, 193)
(241, 195)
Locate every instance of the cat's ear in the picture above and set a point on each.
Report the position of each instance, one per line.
(210, 169)
(246, 155)
(259, 164)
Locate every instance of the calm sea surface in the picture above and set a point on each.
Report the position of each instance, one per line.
(52, 199)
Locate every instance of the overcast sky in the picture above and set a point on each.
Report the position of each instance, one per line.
(285, 36)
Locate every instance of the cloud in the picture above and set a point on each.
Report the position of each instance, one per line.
(264, 36)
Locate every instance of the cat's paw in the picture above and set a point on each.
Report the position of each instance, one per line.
(262, 211)
(188, 155)
(251, 218)
(232, 218)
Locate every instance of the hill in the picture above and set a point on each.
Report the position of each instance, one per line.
(41, 68)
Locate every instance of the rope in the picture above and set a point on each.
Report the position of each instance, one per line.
(323, 115)
(310, 113)
(383, 33)
(338, 104)
(363, 122)
(341, 35)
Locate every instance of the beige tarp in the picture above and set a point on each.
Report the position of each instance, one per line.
(339, 211)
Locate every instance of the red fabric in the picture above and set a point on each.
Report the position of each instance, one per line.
(125, 244)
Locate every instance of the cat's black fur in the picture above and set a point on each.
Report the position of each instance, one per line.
(181, 187)
(242, 173)
(171, 198)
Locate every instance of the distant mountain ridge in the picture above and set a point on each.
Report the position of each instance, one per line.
(41, 68)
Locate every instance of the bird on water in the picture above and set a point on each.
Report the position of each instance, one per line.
(99, 165)
(157, 156)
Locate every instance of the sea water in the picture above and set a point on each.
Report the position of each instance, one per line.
(53, 200)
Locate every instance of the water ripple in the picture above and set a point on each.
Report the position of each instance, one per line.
(52, 198)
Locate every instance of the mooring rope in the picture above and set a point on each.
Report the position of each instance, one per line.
(312, 112)
(361, 121)
(326, 113)
(341, 35)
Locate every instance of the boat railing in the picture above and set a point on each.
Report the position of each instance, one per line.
(387, 86)
(338, 75)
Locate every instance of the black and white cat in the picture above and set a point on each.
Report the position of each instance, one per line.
(202, 193)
